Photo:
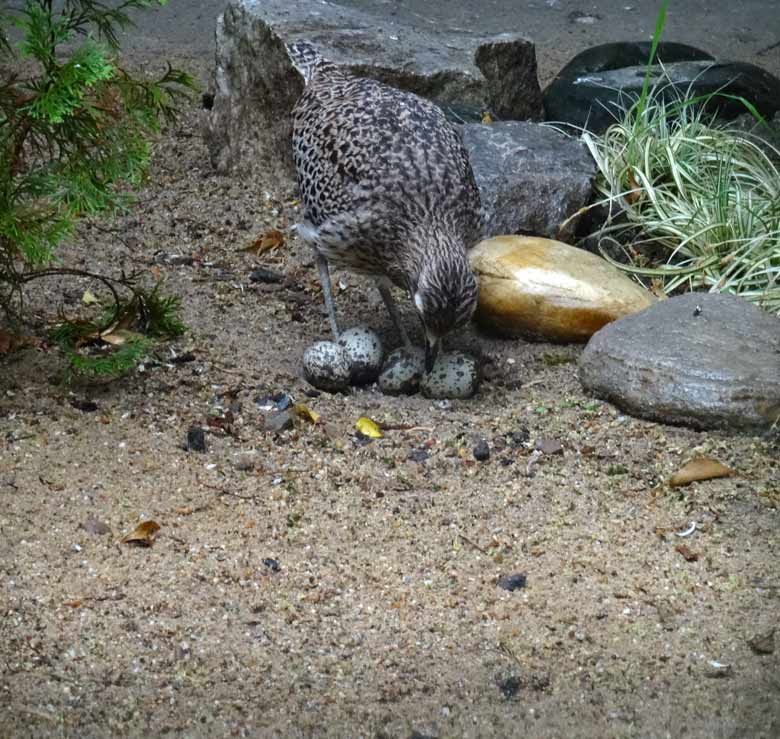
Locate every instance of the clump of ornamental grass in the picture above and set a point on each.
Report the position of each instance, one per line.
(694, 203)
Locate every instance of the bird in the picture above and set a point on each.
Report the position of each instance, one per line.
(387, 191)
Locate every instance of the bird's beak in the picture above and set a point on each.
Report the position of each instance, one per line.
(431, 351)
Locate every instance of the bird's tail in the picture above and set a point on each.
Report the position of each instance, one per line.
(305, 58)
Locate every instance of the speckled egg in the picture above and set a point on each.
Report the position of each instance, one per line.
(402, 371)
(364, 354)
(326, 366)
(455, 375)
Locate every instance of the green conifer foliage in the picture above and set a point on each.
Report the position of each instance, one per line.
(74, 134)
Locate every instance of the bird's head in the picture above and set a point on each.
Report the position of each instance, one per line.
(445, 298)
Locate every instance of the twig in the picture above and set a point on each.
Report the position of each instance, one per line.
(404, 427)
(474, 544)
(230, 493)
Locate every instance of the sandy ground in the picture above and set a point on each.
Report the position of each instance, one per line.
(311, 584)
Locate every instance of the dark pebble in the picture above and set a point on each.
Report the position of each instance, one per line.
(282, 401)
(86, 406)
(361, 439)
(512, 582)
(94, 526)
(272, 564)
(510, 686)
(418, 455)
(196, 439)
(312, 393)
(481, 451)
(519, 437)
(183, 358)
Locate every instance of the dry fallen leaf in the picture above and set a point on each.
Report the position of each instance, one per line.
(701, 468)
(6, 341)
(11, 342)
(688, 554)
(486, 117)
(272, 239)
(89, 298)
(120, 336)
(307, 414)
(635, 190)
(143, 534)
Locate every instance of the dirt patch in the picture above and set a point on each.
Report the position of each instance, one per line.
(308, 583)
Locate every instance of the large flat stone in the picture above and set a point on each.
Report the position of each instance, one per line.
(531, 178)
(249, 124)
(701, 359)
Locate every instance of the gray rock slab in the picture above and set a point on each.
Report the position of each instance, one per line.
(256, 86)
(531, 178)
(702, 360)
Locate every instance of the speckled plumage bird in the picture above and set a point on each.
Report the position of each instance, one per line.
(387, 191)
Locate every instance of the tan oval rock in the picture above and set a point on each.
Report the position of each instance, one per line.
(545, 290)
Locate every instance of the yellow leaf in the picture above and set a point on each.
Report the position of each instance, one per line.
(143, 534)
(307, 414)
(88, 298)
(369, 428)
(701, 468)
(486, 117)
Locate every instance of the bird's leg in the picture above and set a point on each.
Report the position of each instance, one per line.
(327, 293)
(384, 290)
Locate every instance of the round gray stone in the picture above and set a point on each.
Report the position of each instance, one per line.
(702, 359)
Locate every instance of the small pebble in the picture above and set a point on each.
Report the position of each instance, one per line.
(272, 564)
(183, 358)
(279, 421)
(402, 371)
(266, 276)
(326, 366)
(282, 401)
(364, 354)
(94, 526)
(245, 463)
(196, 439)
(549, 446)
(512, 582)
(481, 451)
(85, 406)
(454, 375)
(510, 686)
(418, 455)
